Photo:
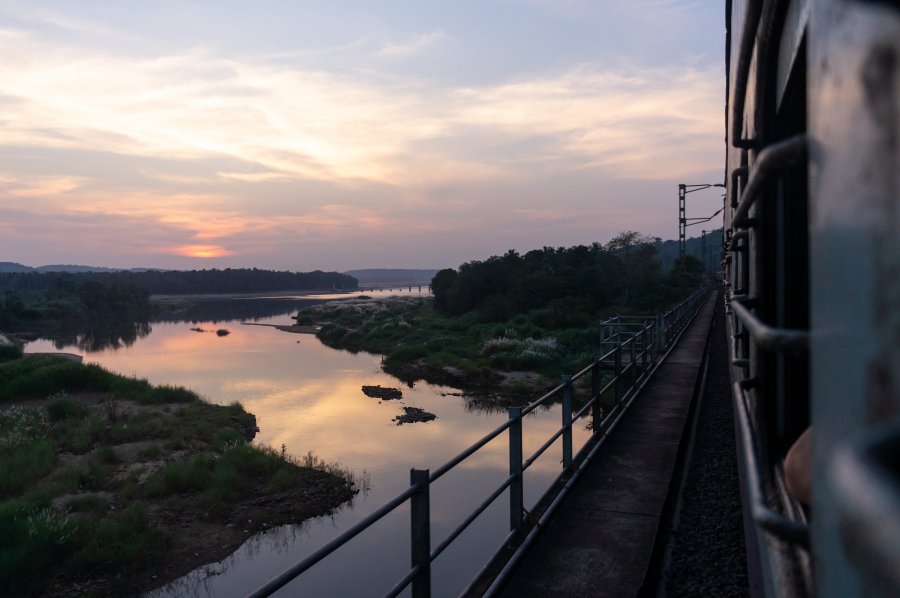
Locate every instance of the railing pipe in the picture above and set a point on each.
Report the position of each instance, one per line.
(769, 161)
(540, 451)
(472, 517)
(420, 533)
(469, 451)
(767, 519)
(547, 395)
(567, 422)
(768, 337)
(516, 488)
(402, 584)
(291, 572)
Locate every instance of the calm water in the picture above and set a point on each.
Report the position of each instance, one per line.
(308, 397)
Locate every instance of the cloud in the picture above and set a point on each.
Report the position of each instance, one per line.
(190, 155)
(415, 45)
(315, 125)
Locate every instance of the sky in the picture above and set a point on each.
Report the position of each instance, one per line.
(337, 135)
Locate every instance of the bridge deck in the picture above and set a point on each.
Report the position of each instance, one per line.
(600, 540)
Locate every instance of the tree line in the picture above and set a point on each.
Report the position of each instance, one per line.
(567, 282)
(180, 282)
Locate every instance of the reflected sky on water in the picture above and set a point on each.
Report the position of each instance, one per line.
(308, 397)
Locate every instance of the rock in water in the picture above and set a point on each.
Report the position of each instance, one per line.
(412, 415)
(384, 393)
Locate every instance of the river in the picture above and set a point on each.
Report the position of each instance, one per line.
(307, 397)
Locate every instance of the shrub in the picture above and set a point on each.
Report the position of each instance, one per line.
(32, 539)
(42, 375)
(170, 394)
(10, 352)
(181, 476)
(64, 408)
(23, 465)
(123, 543)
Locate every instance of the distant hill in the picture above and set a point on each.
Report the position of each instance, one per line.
(14, 267)
(74, 269)
(392, 275)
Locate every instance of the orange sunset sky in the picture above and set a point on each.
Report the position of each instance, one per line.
(339, 135)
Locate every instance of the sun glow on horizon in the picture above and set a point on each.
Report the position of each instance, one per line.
(201, 251)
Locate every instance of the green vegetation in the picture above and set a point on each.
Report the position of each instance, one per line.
(38, 299)
(95, 468)
(176, 282)
(536, 312)
(90, 314)
(9, 351)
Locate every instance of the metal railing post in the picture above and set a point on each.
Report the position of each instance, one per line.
(567, 422)
(657, 336)
(633, 360)
(420, 533)
(517, 486)
(620, 391)
(644, 350)
(596, 415)
(666, 325)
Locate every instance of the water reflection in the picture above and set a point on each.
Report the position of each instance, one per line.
(100, 336)
(222, 310)
(309, 397)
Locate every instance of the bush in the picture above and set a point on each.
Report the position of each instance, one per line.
(10, 352)
(23, 465)
(170, 394)
(64, 408)
(42, 375)
(181, 476)
(32, 539)
(332, 332)
(123, 543)
(405, 354)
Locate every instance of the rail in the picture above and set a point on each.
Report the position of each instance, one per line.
(639, 344)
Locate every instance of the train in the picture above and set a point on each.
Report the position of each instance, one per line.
(811, 273)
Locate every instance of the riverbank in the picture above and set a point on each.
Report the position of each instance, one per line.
(111, 486)
(515, 357)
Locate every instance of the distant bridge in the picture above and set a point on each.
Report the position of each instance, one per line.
(394, 286)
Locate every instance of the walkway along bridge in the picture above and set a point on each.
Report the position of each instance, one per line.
(635, 351)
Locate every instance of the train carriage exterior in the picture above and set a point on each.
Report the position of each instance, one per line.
(812, 276)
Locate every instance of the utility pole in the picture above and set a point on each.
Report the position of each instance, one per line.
(683, 220)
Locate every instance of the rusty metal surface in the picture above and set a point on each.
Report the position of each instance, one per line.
(854, 79)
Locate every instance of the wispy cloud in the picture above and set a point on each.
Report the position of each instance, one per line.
(413, 46)
(314, 125)
(270, 153)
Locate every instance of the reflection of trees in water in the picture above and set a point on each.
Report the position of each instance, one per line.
(491, 403)
(233, 309)
(98, 336)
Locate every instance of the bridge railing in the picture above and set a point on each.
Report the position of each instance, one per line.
(618, 374)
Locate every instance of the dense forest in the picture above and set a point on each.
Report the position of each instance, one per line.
(87, 313)
(181, 282)
(566, 283)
